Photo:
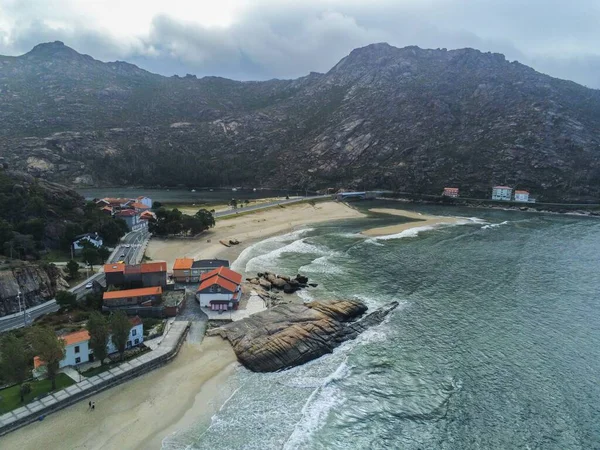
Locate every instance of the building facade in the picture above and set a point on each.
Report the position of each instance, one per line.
(220, 289)
(502, 193)
(133, 219)
(450, 192)
(186, 270)
(521, 196)
(93, 238)
(136, 275)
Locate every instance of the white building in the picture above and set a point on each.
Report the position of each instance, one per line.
(93, 238)
(220, 289)
(521, 196)
(78, 350)
(145, 201)
(501, 193)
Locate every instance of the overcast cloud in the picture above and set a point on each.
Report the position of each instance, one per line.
(261, 39)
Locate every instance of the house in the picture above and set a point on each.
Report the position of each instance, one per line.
(114, 202)
(150, 296)
(132, 219)
(146, 302)
(182, 270)
(139, 207)
(93, 238)
(450, 192)
(136, 275)
(147, 215)
(145, 200)
(521, 196)
(220, 289)
(186, 270)
(78, 350)
(501, 193)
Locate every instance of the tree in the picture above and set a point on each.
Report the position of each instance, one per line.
(93, 300)
(97, 325)
(103, 253)
(206, 218)
(65, 299)
(49, 348)
(14, 364)
(156, 205)
(119, 328)
(233, 203)
(91, 256)
(73, 269)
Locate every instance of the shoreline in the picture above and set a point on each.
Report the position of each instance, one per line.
(188, 391)
(417, 220)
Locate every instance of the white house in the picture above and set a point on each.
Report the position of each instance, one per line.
(93, 238)
(521, 196)
(220, 289)
(501, 193)
(145, 201)
(78, 350)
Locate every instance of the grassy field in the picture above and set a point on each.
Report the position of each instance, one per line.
(11, 398)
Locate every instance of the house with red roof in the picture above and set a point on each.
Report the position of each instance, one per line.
(521, 196)
(136, 275)
(78, 350)
(220, 289)
(450, 192)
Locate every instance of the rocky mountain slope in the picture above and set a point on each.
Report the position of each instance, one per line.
(405, 119)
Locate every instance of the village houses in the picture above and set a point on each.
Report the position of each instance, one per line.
(78, 350)
(92, 238)
(521, 196)
(450, 192)
(220, 289)
(502, 193)
(186, 270)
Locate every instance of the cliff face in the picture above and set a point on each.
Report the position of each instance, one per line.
(407, 119)
(292, 334)
(37, 284)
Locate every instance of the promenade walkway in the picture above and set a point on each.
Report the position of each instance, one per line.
(37, 410)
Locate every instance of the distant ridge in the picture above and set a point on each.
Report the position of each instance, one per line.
(408, 118)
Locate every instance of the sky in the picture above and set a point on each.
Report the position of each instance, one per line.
(263, 39)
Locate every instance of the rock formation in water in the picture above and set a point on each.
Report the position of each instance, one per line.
(292, 334)
(37, 283)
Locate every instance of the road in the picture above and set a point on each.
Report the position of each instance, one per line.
(131, 246)
(130, 251)
(244, 209)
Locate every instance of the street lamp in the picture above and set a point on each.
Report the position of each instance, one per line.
(22, 308)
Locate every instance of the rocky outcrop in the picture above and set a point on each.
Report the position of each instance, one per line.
(269, 281)
(37, 284)
(292, 334)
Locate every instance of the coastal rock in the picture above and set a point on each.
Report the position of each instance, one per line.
(264, 284)
(293, 334)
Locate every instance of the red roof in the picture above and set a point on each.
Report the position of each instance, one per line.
(223, 282)
(160, 266)
(224, 272)
(135, 320)
(450, 189)
(76, 337)
(502, 187)
(126, 213)
(521, 192)
(138, 205)
(156, 290)
(183, 263)
(112, 268)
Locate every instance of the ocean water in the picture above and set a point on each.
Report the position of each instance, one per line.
(495, 345)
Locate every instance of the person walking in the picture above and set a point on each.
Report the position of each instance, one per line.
(93, 405)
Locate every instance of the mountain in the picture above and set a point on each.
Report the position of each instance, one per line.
(407, 119)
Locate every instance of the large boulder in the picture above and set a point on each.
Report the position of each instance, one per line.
(292, 334)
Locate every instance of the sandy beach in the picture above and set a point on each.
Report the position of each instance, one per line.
(247, 229)
(418, 220)
(141, 413)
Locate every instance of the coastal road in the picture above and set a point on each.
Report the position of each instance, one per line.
(132, 245)
(244, 209)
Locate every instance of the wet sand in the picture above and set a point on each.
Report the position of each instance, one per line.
(419, 220)
(140, 412)
(247, 229)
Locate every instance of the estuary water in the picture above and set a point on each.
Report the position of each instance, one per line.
(495, 345)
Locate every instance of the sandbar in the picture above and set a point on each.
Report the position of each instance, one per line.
(418, 220)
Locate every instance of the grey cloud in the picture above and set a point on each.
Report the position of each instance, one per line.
(271, 39)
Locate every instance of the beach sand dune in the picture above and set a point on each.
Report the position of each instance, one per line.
(418, 220)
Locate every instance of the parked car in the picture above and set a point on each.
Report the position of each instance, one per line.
(88, 285)
(122, 255)
(127, 245)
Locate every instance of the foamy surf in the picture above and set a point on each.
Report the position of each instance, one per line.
(494, 225)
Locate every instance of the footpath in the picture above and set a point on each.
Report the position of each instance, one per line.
(166, 350)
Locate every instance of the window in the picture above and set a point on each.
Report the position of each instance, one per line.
(133, 332)
(77, 360)
(77, 349)
(128, 344)
(137, 341)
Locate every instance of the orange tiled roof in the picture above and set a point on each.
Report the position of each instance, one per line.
(223, 282)
(160, 266)
(112, 268)
(502, 187)
(76, 337)
(224, 272)
(183, 263)
(135, 320)
(37, 362)
(521, 192)
(156, 290)
(138, 205)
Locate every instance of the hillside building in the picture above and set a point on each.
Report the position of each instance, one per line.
(502, 193)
